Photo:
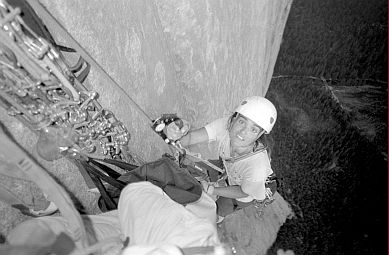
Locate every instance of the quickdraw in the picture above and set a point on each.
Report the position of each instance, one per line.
(41, 90)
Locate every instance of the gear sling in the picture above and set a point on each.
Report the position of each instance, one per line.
(174, 180)
(178, 181)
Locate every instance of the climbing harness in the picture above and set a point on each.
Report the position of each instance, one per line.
(271, 186)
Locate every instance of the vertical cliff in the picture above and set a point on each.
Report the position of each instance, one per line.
(194, 58)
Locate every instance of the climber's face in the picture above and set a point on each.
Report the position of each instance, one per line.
(243, 134)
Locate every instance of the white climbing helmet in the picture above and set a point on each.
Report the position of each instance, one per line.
(260, 110)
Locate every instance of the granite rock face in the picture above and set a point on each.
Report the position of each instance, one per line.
(194, 58)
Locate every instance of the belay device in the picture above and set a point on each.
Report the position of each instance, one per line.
(159, 126)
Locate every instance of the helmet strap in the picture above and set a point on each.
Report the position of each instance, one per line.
(232, 120)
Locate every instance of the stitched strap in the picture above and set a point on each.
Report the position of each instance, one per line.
(235, 159)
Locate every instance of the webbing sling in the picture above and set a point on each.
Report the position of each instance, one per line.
(99, 173)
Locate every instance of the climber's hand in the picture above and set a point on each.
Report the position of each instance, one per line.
(209, 188)
(176, 129)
